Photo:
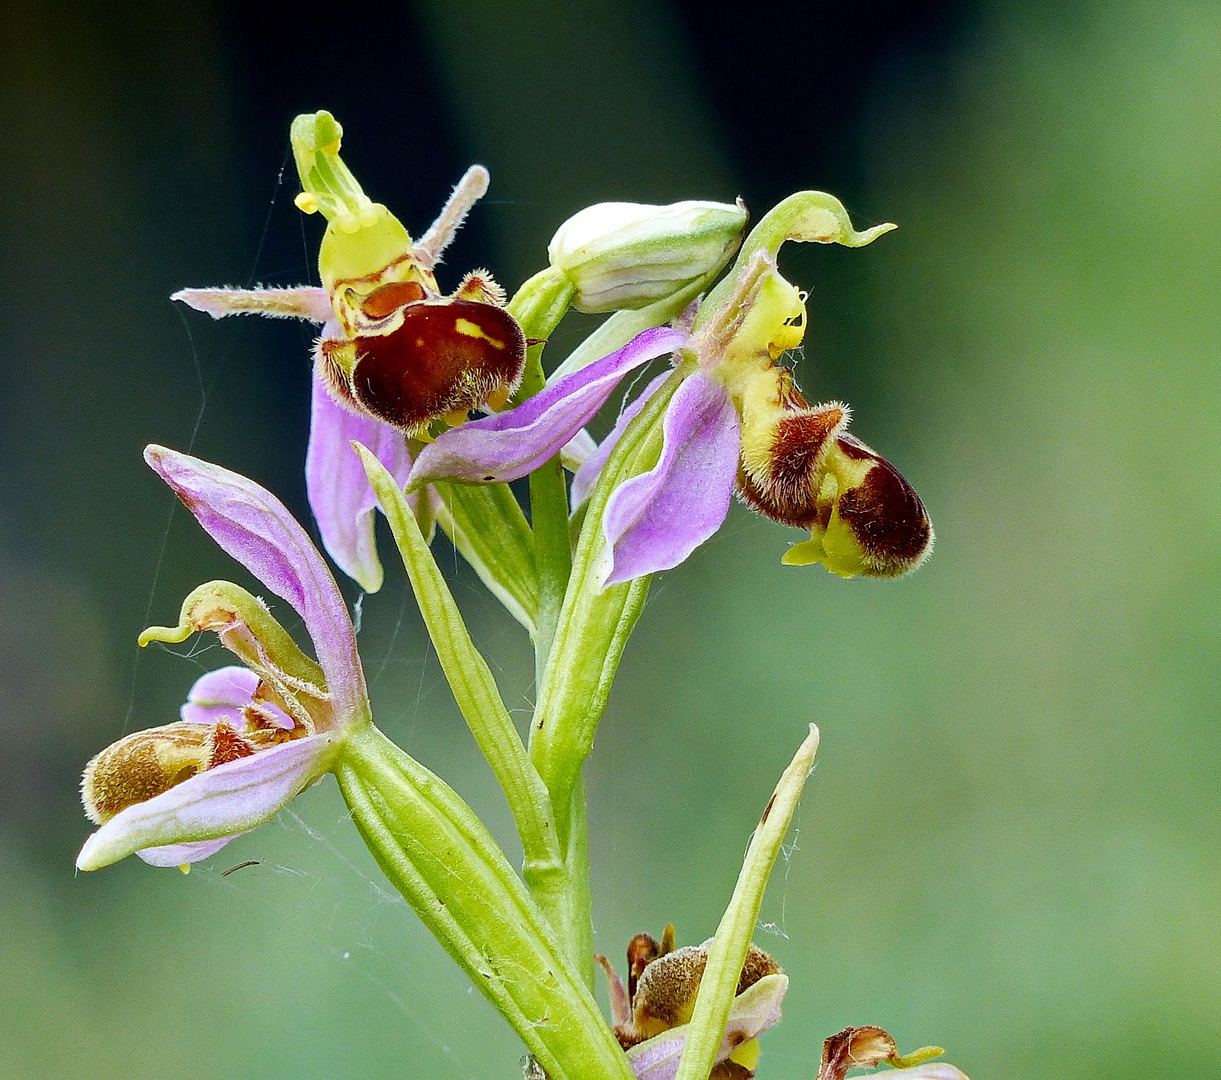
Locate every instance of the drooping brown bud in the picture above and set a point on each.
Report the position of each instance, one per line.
(862, 1047)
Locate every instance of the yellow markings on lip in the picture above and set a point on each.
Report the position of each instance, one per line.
(474, 330)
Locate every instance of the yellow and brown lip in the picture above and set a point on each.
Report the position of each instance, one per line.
(446, 356)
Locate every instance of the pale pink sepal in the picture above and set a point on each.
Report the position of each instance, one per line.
(299, 302)
(183, 854)
(214, 804)
(255, 528)
(930, 1070)
(655, 520)
(591, 468)
(339, 491)
(753, 1011)
(509, 445)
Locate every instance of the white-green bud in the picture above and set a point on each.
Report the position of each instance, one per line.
(627, 255)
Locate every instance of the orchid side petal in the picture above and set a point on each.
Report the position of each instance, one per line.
(339, 492)
(254, 527)
(655, 520)
(183, 854)
(217, 803)
(301, 302)
(753, 1011)
(508, 445)
(223, 693)
(591, 468)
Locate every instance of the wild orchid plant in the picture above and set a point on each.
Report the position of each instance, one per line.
(398, 368)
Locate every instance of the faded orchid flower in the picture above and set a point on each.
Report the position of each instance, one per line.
(250, 738)
(651, 1015)
(394, 356)
(867, 1047)
(736, 420)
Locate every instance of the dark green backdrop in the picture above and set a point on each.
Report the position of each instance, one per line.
(1010, 846)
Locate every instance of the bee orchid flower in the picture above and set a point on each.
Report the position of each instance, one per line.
(735, 421)
(394, 356)
(250, 738)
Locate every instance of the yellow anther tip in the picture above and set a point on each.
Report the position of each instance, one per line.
(306, 202)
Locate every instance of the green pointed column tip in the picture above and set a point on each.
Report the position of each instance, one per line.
(362, 237)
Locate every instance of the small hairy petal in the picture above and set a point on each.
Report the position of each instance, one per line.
(511, 444)
(218, 803)
(254, 527)
(301, 302)
(182, 854)
(591, 468)
(655, 520)
(339, 492)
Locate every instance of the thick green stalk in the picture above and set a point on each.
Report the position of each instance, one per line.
(486, 523)
(580, 900)
(443, 860)
(539, 305)
(593, 627)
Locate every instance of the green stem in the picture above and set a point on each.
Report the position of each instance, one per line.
(443, 860)
(576, 860)
(593, 627)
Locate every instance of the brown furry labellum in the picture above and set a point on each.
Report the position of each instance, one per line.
(414, 359)
(885, 514)
(148, 763)
(800, 467)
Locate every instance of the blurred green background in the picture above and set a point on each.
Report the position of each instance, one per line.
(1010, 845)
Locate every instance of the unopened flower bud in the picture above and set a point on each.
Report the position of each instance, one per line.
(627, 255)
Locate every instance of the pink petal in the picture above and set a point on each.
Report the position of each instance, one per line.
(212, 805)
(339, 492)
(655, 520)
(181, 854)
(222, 694)
(512, 444)
(591, 468)
(930, 1070)
(753, 1011)
(302, 302)
(253, 526)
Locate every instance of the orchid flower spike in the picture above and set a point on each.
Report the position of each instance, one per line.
(736, 420)
(395, 356)
(249, 738)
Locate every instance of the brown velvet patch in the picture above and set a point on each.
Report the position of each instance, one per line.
(389, 298)
(447, 356)
(787, 490)
(885, 514)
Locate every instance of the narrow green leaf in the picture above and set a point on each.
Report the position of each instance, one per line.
(732, 940)
(486, 524)
(471, 680)
(438, 854)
